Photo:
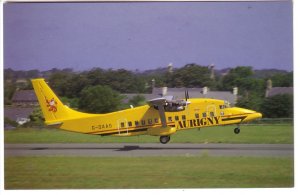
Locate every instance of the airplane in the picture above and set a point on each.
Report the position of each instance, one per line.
(162, 116)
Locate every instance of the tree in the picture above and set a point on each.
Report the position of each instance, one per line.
(252, 101)
(99, 99)
(58, 81)
(36, 118)
(9, 90)
(278, 106)
(242, 77)
(137, 100)
(282, 80)
(191, 75)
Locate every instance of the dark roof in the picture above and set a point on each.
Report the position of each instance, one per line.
(221, 95)
(179, 93)
(14, 113)
(280, 90)
(24, 96)
(147, 96)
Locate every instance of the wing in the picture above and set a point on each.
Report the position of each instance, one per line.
(160, 103)
(167, 103)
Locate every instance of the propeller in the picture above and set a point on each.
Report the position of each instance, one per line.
(186, 95)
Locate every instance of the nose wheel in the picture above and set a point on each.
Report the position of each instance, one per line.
(237, 130)
(164, 139)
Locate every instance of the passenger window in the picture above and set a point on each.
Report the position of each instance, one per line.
(196, 115)
(156, 120)
(212, 114)
(170, 119)
(176, 118)
(204, 114)
(149, 121)
(136, 123)
(143, 122)
(129, 124)
(183, 117)
(122, 125)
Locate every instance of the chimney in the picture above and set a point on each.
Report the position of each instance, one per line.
(164, 91)
(235, 91)
(269, 87)
(204, 90)
(211, 67)
(269, 84)
(153, 83)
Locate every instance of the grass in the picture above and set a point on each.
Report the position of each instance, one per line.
(147, 172)
(271, 134)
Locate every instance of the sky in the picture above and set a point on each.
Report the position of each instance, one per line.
(148, 35)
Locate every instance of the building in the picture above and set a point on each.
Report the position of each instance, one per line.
(272, 91)
(179, 93)
(24, 98)
(205, 92)
(18, 114)
(23, 103)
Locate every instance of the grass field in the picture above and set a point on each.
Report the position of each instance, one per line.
(249, 134)
(147, 172)
(59, 172)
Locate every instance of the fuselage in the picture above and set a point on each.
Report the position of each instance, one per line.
(160, 117)
(201, 112)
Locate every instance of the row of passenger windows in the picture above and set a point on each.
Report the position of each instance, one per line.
(170, 119)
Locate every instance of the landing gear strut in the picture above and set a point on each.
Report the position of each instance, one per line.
(237, 130)
(164, 139)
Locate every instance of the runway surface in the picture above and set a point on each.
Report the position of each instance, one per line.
(131, 149)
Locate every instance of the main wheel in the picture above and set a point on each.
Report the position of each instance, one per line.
(164, 139)
(237, 130)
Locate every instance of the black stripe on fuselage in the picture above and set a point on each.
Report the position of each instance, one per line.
(124, 131)
(234, 118)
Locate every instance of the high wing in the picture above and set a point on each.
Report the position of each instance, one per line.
(160, 103)
(167, 103)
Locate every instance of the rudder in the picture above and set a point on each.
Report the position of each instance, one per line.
(53, 109)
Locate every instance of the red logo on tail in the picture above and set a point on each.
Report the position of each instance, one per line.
(52, 105)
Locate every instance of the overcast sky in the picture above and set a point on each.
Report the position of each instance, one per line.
(147, 35)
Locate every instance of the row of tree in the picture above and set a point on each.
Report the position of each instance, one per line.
(99, 90)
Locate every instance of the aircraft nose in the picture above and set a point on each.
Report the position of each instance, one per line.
(253, 116)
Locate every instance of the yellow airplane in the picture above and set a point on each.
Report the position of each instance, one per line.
(160, 117)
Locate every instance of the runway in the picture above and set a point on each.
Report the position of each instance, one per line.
(140, 150)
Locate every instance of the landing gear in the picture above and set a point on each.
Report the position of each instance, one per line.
(237, 130)
(164, 139)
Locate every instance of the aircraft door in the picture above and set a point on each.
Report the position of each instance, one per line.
(211, 110)
(122, 125)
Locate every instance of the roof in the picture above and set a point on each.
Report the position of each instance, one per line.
(14, 113)
(280, 90)
(179, 93)
(148, 96)
(24, 96)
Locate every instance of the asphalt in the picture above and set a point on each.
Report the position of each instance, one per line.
(127, 150)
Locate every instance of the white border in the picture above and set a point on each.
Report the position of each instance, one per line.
(250, 191)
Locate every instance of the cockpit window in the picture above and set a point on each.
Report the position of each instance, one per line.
(227, 104)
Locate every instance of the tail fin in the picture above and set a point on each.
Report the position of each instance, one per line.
(55, 112)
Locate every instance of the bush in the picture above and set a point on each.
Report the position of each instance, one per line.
(278, 106)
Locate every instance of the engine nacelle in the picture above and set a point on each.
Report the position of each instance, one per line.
(160, 131)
